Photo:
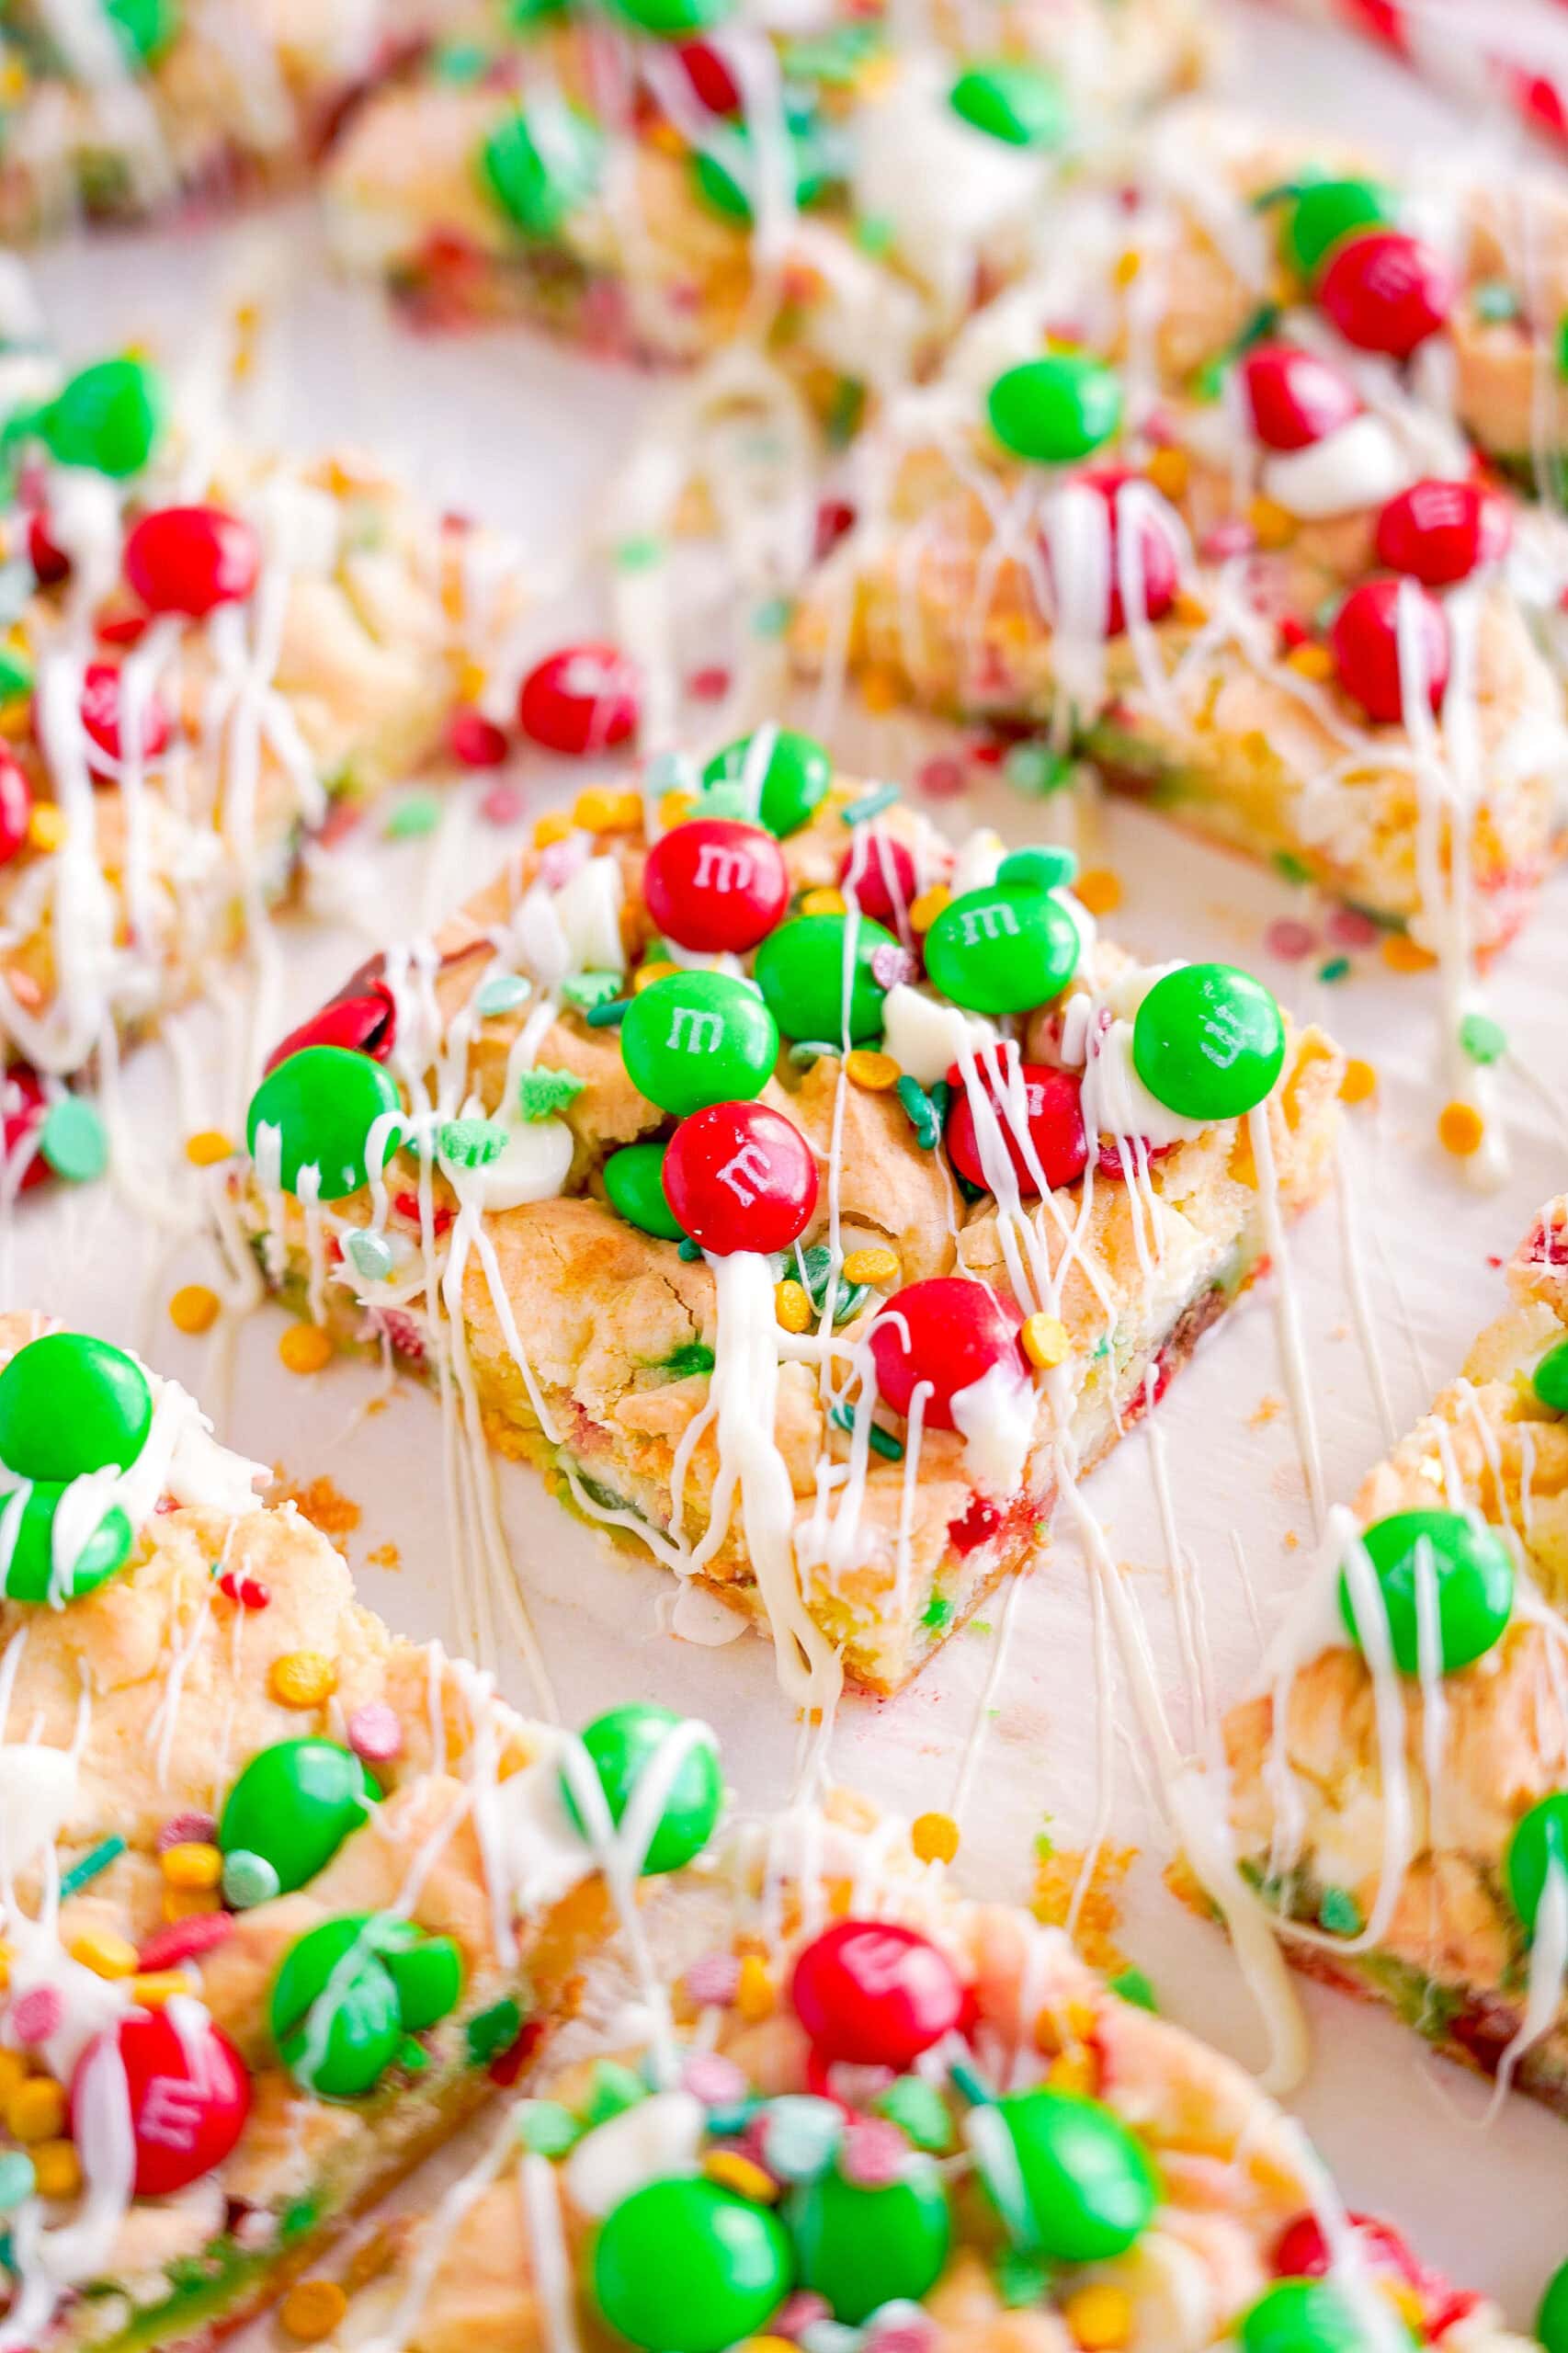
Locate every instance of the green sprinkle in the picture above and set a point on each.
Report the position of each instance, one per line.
(1495, 300)
(544, 1091)
(1339, 1912)
(1484, 1039)
(880, 1441)
(1209, 381)
(299, 2218)
(371, 1255)
(608, 1014)
(807, 1050)
(869, 805)
(1021, 2278)
(639, 555)
(1281, 192)
(979, 1626)
(821, 1279)
(546, 2129)
(412, 2056)
(1338, 968)
(876, 233)
(937, 1613)
(1562, 345)
(584, 989)
(692, 1357)
(1295, 869)
(688, 1249)
(1133, 1986)
(613, 2089)
(74, 1139)
(471, 1143)
(418, 815)
(844, 411)
(16, 675)
(96, 1861)
(771, 618)
(503, 994)
(1048, 866)
(1263, 322)
(920, 2112)
(836, 57)
(493, 2030)
(1036, 769)
(920, 1111)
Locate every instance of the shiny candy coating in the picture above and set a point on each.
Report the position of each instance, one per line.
(70, 1404)
(146, 27)
(108, 416)
(1057, 1144)
(191, 559)
(539, 173)
(1155, 590)
(862, 2247)
(1294, 397)
(1550, 1379)
(622, 1745)
(740, 1176)
(683, 2266)
(634, 1181)
(324, 1101)
(1364, 639)
(794, 780)
(1463, 1566)
(381, 1979)
(29, 1572)
(673, 19)
(1551, 2319)
(583, 699)
(1537, 1850)
(698, 1038)
(723, 177)
(1387, 292)
(946, 1334)
(1326, 211)
(103, 696)
(1002, 949)
(1057, 409)
(1209, 1042)
(1301, 2316)
(1440, 532)
(1089, 2186)
(714, 886)
(189, 2096)
(881, 873)
(16, 805)
(801, 970)
(363, 1020)
(294, 1804)
(1013, 100)
(875, 1994)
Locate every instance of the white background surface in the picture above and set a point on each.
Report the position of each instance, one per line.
(512, 427)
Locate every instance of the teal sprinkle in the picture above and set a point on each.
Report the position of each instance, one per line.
(937, 1613)
(729, 798)
(493, 2030)
(543, 1091)
(503, 994)
(546, 2129)
(1336, 969)
(1263, 322)
(608, 1014)
(1339, 1912)
(970, 2082)
(249, 1879)
(941, 1097)
(1327, 611)
(1047, 867)
(875, 234)
(1484, 1039)
(640, 554)
(96, 1861)
(612, 2089)
(1022, 2279)
(418, 815)
(771, 618)
(1495, 300)
(807, 1050)
(870, 805)
(669, 772)
(920, 2112)
(471, 1143)
(920, 1111)
(882, 1441)
(1037, 770)
(1295, 869)
(821, 1277)
(74, 1139)
(16, 2179)
(461, 62)
(1134, 1987)
(584, 989)
(371, 1255)
(688, 1249)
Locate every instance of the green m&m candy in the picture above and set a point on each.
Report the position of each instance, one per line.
(722, 176)
(1056, 409)
(1551, 2319)
(698, 1038)
(800, 968)
(147, 28)
(427, 1972)
(673, 19)
(294, 1804)
(334, 2013)
(628, 1743)
(634, 1179)
(865, 2246)
(1005, 948)
(323, 1102)
(29, 1576)
(541, 167)
(790, 774)
(1463, 1567)
(1072, 2182)
(108, 416)
(1550, 1379)
(1301, 2316)
(1325, 211)
(1012, 101)
(70, 1405)
(1209, 1042)
(1538, 1848)
(685, 2267)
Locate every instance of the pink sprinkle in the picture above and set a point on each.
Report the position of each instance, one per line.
(501, 805)
(709, 686)
(903, 2336)
(1234, 538)
(1290, 939)
(798, 2311)
(185, 1939)
(37, 2015)
(716, 2081)
(560, 861)
(940, 778)
(874, 2152)
(186, 1830)
(374, 1732)
(890, 965)
(476, 741)
(1349, 928)
(712, 1979)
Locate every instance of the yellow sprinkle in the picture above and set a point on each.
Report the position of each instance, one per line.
(1045, 1340)
(192, 1863)
(304, 1347)
(553, 826)
(106, 1954)
(1460, 1129)
(35, 2110)
(609, 808)
(472, 679)
(754, 1991)
(935, 1837)
(312, 2310)
(153, 1987)
(731, 2171)
(824, 901)
(792, 1306)
(46, 826)
(659, 970)
(1191, 610)
(1169, 471)
(872, 1265)
(57, 2169)
(1360, 1081)
(1272, 525)
(1098, 889)
(13, 2071)
(1311, 661)
(194, 1308)
(880, 690)
(5, 1967)
(664, 136)
(928, 906)
(302, 1679)
(1075, 2071)
(1126, 265)
(1403, 954)
(1099, 2316)
(180, 1902)
(1407, 2303)
(208, 1146)
(768, 2345)
(676, 808)
(878, 1073)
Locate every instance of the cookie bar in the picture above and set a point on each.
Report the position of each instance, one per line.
(207, 660)
(1397, 1779)
(883, 2116)
(284, 1894)
(812, 1205)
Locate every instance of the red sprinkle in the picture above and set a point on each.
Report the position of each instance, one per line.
(476, 741)
(940, 778)
(186, 1830)
(709, 686)
(248, 1592)
(185, 1939)
(407, 1205)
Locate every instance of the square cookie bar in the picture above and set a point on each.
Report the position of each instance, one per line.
(284, 1894)
(811, 1203)
(1396, 1780)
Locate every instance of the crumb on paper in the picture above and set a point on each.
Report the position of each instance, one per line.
(1268, 1409)
(385, 1556)
(1057, 1874)
(1291, 1541)
(323, 1503)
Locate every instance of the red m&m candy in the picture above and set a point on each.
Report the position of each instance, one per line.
(102, 693)
(1365, 638)
(1387, 291)
(189, 558)
(16, 804)
(1303, 2251)
(715, 884)
(365, 1020)
(1442, 531)
(713, 84)
(739, 1176)
(22, 1109)
(1055, 1124)
(881, 874)
(582, 700)
(187, 2086)
(51, 563)
(1154, 546)
(948, 1332)
(1295, 397)
(874, 1994)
